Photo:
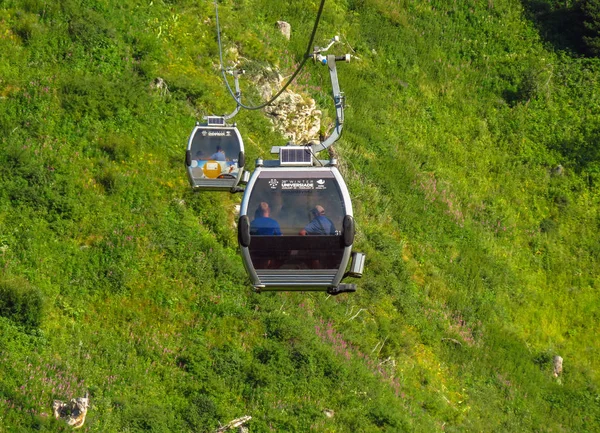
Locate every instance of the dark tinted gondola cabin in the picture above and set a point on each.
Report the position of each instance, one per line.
(296, 227)
(215, 155)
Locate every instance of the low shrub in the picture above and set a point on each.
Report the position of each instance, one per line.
(21, 303)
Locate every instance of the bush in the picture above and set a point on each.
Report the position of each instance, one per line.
(21, 303)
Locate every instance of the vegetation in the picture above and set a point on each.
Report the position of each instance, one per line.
(470, 149)
(568, 25)
(21, 304)
(591, 23)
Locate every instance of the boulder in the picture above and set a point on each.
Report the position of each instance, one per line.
(285, 29)
(558, 365)
(73, 412)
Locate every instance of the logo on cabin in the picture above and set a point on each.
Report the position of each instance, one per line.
(321, 184)
(300, 184)
(273, 183)
(216, 133)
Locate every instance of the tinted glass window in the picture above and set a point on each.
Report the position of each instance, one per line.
(296, 221)
(300, 203)
(215, 153)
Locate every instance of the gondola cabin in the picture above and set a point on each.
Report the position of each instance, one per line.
(296, 227)
(215, 155)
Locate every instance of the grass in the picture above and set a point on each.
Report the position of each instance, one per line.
(482, 256)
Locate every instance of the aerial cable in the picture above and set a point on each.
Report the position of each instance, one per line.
(307, 55)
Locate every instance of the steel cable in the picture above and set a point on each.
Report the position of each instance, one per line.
(307, 55)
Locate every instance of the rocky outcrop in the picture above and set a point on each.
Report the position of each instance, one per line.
(294, 115)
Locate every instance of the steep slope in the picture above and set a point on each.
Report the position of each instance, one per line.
(469, 149)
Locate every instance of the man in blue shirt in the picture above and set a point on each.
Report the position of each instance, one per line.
(219, 155)
(320, 224)
(263, 225)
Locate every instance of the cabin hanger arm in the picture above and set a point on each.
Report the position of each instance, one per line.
(338, 99)
(238, 93)
(338, 96)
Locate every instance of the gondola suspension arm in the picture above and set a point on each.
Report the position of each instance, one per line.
(338, 96)
(238, 93)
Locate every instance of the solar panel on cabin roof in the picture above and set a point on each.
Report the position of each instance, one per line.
(295, 156)
(215, 121)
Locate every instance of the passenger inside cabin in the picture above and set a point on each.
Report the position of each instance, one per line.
(263, 224)
(219, 155)
(319, 223)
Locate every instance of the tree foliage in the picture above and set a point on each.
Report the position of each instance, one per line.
(591, 23)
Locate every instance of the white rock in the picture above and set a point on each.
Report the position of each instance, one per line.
(285, 29)
(558, 365)
(294, 115)
(73, 412)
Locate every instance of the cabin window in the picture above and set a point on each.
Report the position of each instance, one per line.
(214, 153)
(296, 221)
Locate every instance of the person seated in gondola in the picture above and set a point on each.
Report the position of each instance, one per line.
(219, 155)
(263, 224)
(319, 224)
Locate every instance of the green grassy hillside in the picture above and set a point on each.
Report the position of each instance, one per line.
(471, 152)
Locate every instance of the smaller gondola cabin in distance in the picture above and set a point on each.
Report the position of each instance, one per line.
(215, 155)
